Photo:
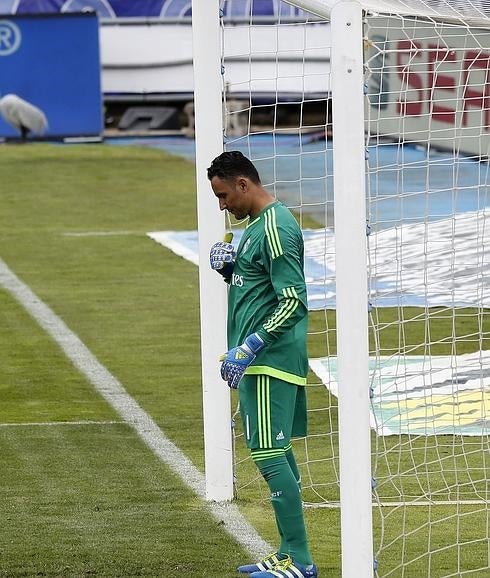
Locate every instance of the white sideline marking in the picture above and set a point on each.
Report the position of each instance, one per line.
(115, 394)
(99, 233)
(55, 423)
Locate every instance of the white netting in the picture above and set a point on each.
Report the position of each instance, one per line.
(427, 102)
(428, 135)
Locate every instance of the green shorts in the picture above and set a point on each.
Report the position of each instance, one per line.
(272, 411)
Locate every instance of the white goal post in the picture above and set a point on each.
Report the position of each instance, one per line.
(370, 119)
(351, 289)
(211, 226)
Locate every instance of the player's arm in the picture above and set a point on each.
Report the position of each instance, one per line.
(290, 310)
(287, 277)
(286, 270)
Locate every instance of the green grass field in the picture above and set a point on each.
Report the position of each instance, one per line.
(82, 500)
(80, 493)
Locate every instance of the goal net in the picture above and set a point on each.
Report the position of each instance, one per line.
(426, 131)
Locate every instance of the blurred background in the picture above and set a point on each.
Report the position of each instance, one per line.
(99, 67)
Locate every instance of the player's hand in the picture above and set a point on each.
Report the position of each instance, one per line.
(222, 258)
(236, 361)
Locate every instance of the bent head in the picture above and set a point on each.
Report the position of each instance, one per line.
(234, 180)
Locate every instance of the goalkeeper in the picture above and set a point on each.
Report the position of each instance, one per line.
(267, 359)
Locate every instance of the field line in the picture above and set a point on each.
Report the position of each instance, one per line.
(59, 423)
(127, 407)
(100, 233)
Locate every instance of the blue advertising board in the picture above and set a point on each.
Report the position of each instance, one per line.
(53, 62)
(147, 8)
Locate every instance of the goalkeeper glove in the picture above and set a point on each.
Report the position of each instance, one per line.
(222, 258)
(236, 361)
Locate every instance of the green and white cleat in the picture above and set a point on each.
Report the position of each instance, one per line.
(267, 563)
(287, 569)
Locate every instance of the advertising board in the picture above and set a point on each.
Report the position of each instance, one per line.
(53, 62)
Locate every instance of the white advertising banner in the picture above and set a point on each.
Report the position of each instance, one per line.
(430, 82)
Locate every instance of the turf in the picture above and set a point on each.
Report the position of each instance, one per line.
(90, 499)
(38, 382)
(83, 500)
(80, 500)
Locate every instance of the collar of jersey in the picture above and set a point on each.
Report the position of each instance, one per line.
(257, 218)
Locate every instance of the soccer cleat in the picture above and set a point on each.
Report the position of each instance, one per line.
(266, 563)
(287, 569)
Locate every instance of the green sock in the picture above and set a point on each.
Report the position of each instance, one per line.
(288, 508)
(288, 450)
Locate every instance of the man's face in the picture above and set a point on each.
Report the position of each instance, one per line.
(232, 195)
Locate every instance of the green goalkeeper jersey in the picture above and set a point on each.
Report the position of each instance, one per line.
(268, 294)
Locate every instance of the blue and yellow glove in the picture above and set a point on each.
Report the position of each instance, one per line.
(222, 256)
(236, 361)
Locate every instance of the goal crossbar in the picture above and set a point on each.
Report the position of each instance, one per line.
(474, 13)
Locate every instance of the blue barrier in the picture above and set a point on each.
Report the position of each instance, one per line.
(53, 61)
(146, 8)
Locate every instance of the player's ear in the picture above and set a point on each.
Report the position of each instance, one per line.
(242, 184)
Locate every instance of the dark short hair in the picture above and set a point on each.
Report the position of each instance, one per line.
(231, 165)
